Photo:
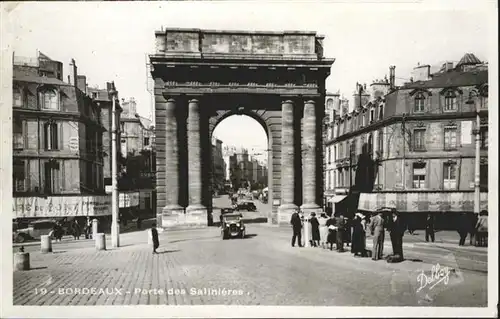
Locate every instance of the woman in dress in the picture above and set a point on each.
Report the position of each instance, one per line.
(323, 229)
(358, 236)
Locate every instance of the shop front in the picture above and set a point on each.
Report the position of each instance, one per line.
(446, 206)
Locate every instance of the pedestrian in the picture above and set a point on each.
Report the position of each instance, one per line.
(340, 225)
(139, 223)
(429, 227)
(358, 235)
(314, 230)
(397, 229)
(296, 223)
(88, 227)
(411, 225)
(323, 229)
(154, 237)
(76, 230)
(463, 228)
(482, 229)
(332, 236)
(473, 218)
(377, 231)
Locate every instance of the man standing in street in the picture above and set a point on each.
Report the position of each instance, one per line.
(429, 227)
(296, 223)
(378, 233)
(397, 231)
(340, 224)
(154, 236)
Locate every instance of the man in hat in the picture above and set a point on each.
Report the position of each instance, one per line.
(377, 230)
(397, 230)
(296, 223)
(340, 225)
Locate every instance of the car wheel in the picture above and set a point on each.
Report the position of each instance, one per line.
(20, 238)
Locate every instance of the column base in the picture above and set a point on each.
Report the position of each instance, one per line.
(170, 216)
(196, 216)
(311, 208)
(176, 217)
(285, 212)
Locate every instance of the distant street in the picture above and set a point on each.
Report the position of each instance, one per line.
(196, 267)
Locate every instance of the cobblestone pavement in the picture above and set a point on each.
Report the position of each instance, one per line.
(198, 268)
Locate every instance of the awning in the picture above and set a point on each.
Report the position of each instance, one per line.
(422, 201)
(336, 199)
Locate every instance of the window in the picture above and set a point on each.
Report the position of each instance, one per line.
(483, 176)
(335, 153)
(146, 141)
(450, 176)
(122, 127)
(484, 137)
(419, 103)
(354, 148)
(381, 112)
(341, 151)
(419, 173)
(370, 145)
(450, 138)
(419, 139)
(48, 100)
(18, 97)
(95, 95)
(328, 155)
(51, 136)
(52, 178)
(19, 176)
(372, 116)
(341, 178)
(380, 143)
(450, 101)
(17, 134)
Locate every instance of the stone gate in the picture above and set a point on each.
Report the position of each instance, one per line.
(204, 76)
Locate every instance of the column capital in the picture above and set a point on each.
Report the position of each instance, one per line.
(310, 102)
(287, 101)
(193, 101)
(171, 100)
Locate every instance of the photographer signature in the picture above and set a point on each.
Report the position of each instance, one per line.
(438, 274)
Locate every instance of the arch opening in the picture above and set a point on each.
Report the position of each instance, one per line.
(241, 153)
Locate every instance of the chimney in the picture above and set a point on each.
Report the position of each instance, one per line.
(81, 83)
(422, 73)
(392, 76)
(73, 73)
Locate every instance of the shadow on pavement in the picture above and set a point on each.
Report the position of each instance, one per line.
(188, 239)
(250, 235)
(168, 251)
(37, 268)
(415, 260)
(59, 252)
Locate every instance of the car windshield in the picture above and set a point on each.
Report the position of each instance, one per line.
(232, 218)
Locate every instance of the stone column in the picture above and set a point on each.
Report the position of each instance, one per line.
(196, 211)
(287, 163)
(171, 165)
(309, 203)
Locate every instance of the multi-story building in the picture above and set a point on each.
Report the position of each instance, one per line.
(137, 181)
(57, 143)
(413, 147)
(218, 166)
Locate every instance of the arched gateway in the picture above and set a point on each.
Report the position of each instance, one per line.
(203, 76)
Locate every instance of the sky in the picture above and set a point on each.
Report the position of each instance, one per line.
(111, 40)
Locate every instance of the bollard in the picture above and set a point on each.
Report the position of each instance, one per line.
(150, 237)
(46, 244)
(95, 225)
(22, 261)
(100, 241)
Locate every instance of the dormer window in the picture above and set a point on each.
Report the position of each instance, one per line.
(450, 101)
(419, 103)
(48, 100)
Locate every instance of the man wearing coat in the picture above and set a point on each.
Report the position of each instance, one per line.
(397, 231)
(341, 225)
(154, 237)
(296, 223)
(378, 233)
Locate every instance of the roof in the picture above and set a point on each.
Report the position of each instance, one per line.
(468, 59)
(452, 78)
(20, 75)
(145, 122)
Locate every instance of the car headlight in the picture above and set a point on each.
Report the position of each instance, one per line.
(238, 224)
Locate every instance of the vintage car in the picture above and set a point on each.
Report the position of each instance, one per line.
(246, 205)
(33, 230)
(232, 225)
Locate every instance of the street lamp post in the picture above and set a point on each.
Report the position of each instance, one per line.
(115, 227)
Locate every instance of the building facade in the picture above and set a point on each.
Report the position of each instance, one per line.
(57, 143)
(413, 147)
(218, 166)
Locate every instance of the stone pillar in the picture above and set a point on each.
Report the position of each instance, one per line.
(309, 203)
(287, 163)
(172, 209)
(95, 227)
(45, 244)
(100, 241)
(196, 213)
(21, 261)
